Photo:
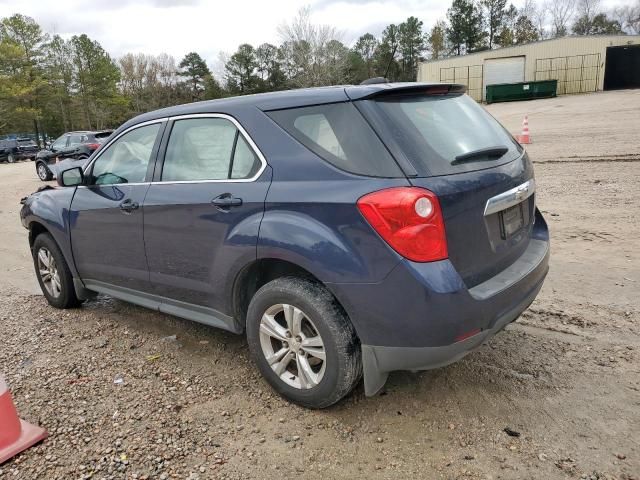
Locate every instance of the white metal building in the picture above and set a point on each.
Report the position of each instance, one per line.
(579, 63)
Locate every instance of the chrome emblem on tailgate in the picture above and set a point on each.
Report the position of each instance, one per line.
(510, 197)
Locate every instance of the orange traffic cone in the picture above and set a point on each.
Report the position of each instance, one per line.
(525, 138)
(15, 435)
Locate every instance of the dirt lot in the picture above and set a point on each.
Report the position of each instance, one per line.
(565, 376)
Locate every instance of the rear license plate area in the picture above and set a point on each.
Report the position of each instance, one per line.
(511, 220)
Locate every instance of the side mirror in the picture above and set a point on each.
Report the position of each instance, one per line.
(71, 177)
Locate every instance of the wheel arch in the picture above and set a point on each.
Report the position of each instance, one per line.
(261, 271)
(36, 228)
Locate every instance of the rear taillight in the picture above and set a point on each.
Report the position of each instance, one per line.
(409, 219)
(93, 146)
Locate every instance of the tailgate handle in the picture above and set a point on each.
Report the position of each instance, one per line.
(510, 197)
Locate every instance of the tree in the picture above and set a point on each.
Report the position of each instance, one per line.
(266, 56)
(366, 47)
(271, 75)
(24, 42)
(628, 17)
(59, 71)
(96, 77)
(240, 70)
(588, 9)
(561, 12)
(437, 40)
(16, 88)
(600, 24)
(411, 45)
(212, 88)
(525, 30)
(386, 54)
(538, 15)
(337, 61)
(465, 32)
(494, 15)
(304, 51)
(194, 69)
(507, 33)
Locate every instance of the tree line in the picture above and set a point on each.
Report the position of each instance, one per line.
(51, 84)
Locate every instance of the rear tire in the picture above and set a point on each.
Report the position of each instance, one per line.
(53, 273)
(43, 172)
(303, 343)
(11, 158)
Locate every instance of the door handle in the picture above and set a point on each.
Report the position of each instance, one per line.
(129, 206)
(226, 201)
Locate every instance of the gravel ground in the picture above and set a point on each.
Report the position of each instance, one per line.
(129, 393)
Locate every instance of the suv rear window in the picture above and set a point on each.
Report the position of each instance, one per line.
(443, 134)
(102, 137)
(340, 135)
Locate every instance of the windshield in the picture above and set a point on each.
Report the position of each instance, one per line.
(26, 143)
(444, 134)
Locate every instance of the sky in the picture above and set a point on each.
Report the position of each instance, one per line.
(210, 27)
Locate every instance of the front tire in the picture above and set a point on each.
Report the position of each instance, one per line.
(53, 273)
(11, 158)
(43, 172)
(303, 342)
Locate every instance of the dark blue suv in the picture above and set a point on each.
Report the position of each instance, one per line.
(348, 231)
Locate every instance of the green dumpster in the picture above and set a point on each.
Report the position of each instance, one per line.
(507, 92)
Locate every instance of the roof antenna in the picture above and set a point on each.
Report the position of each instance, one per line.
(393, 54)
(372, 81)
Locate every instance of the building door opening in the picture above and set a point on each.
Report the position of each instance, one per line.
(622, 68)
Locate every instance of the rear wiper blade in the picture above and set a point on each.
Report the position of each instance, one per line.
(491, 152)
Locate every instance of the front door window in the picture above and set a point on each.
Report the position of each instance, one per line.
(127, 159)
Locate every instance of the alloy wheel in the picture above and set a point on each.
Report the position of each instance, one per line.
(42, 172)
(48, 271)
(292, 346)
(11, 158)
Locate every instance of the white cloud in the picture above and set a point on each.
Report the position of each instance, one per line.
(209, 26)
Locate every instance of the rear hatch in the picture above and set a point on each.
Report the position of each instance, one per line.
(447, 143)
(27, 145)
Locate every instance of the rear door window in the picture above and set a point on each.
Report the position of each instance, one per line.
(340, 135)
(442, 134)
(201, 149)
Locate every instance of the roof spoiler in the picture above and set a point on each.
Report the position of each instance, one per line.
(389, 90)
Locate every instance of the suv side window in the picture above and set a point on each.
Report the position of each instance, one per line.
(340, 135)
(75, 140)
(60, 143)
(207, 149)
(126, 160)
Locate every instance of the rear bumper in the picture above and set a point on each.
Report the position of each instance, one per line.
(378, 361)
(422, 315)
(25, 155)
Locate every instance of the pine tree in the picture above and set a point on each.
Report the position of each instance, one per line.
(195, 70)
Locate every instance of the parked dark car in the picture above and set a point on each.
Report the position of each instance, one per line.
(18, 149)
(74, 145)
(348, 231)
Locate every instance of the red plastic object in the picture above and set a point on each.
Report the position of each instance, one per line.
(525, 138)
(397, 215)
(15, 435)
